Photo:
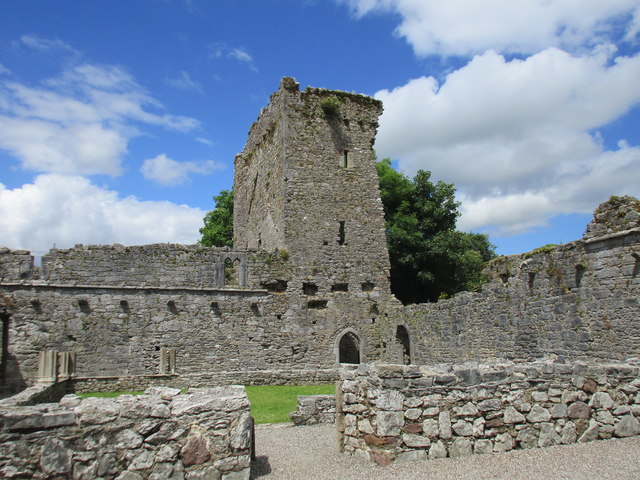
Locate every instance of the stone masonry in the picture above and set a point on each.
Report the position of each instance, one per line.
(162, 434)
(395, 413)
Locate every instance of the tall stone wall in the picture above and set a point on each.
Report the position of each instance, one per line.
(120, 320)
(163, 434)
(578, 300)
(395, 413)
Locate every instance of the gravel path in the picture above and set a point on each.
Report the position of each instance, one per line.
(288, 452)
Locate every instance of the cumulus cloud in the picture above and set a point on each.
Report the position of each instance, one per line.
(183, 81)
(80, 121)
(166, 171)
(518, 138)
(466, 27)
(54, 209)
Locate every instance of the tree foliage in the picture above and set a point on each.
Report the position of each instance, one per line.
(430, 259)
(218, 223)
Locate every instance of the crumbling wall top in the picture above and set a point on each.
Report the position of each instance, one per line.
(617, 214)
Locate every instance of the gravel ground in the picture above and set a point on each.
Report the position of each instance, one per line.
(287, 452)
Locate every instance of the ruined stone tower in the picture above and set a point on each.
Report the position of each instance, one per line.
(306, 184)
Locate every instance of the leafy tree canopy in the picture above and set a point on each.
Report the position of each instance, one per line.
(430, 259)
(218, 223)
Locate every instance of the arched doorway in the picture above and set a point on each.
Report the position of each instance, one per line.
(349, 348)
(403, 345)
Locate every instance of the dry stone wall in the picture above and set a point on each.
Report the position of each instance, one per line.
(162, 434)
(394, 413)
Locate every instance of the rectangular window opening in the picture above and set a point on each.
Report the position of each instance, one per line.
(341, 234)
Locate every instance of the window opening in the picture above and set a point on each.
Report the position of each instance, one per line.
(404, 348)
(171, 305)
(309, 288)
(124, 305)
(84, 306)
(349, 349)
(341, 234)
(580, 269)
(340, 287)
(532, 278)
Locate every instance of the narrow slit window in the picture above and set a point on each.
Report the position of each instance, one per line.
(341, 234)
(344, 161)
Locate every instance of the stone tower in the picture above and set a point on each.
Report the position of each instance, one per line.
(306, 184)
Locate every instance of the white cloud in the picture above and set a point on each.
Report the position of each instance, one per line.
(4, 70)
(66, 210)
(220, 49)
(79, 122)
(465, 27)
(516, 137)
(166, 171)
(184, 82)
(205, 141)
(45, 45)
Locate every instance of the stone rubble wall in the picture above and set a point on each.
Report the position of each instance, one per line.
(395, 413)
(162, 434)
(580, 300)
(15, 265)
(314, 409)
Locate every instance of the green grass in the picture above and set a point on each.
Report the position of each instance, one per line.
(273, 403)
(107, 394)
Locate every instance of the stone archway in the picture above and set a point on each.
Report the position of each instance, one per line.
(349, 347)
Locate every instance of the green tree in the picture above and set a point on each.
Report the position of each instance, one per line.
(218, 223)
(430, 259)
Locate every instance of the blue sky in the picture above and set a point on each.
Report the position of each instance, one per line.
(120, 120)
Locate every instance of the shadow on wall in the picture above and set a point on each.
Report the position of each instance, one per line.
(11, 379)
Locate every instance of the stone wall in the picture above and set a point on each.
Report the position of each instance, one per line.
(578, 300)
(390, 413)
(161, 434)
(314, 409)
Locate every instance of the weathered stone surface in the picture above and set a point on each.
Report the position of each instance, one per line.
(414, 428)
(548, 435)
(591, 433)
(461, 447)
(538, 414)
(438, 450)
(568, 434)
(483, 446)
(512, 416)
(601, 400)
(444, 425)
(579, 410)
(415, 441)
(503, 443)
(627, 426)
(389, 423)
(213, 439)
(489, 404)
(55, 459)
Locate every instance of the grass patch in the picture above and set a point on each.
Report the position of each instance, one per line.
(273, 403)
(107, 394)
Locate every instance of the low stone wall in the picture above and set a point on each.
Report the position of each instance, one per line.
(162, 434)
(38, 393)
(398, 413)
(314, 409)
